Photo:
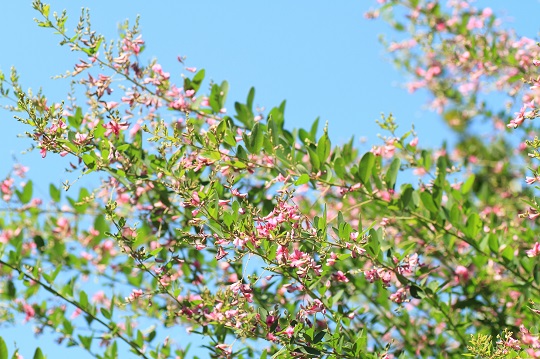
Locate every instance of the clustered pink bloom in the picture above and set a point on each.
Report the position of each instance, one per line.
(29, 311)
(81, 138)
(115, 127)
(386, 151)
(132, 45)
(379, 274)
(102, 84)
(7, 188)
(283, 213)
(136, 293)
(408, 265)
(245, 289)
(20, 170)
(399, 296)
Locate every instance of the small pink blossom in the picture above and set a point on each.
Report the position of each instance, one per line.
(289, 331)
(462, 274)
(535, 251)
(29, 311)
(115, 127)
(341, 277)
(136, 293)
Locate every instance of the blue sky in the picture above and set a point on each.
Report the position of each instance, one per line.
(322, 57)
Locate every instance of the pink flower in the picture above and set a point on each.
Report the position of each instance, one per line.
(115, 127)
(332, 260)
(400, 296)
(462, 274)
(76, 313)
(227, 348)
(487, 12)
(136, 293)
(341, 277)
(289, 331)
(29, 311)
(531, 180)
(535, 251)
(80, 138)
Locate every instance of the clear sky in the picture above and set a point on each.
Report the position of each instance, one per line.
(324, 58)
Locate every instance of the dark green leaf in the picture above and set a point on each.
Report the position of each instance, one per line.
(365, 167)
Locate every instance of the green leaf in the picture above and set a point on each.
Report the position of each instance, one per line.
(241, 153)
(3, 349)
(391, 175)
(314, 160)
(319, 336)
(365, 166)
(195, 82)
(302, 179)
(467, 185)
(11, 289)
(46, 9)
(441, 172)
(323, 147)
(83, 299)
(76, 120)
(426, 159)
(54, 193)
(508, 253)
(38, 354)
(406, 196)
(455, 214)
(257, 138)
(427, 200)
(339, 167)
(156, 251)
(89, 161)
(26, 195)
(493, 243)
(105, 313)
(264, 354)
(215, 98)
(473, 226)
(86, 341)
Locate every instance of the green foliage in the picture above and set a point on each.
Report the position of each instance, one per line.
(266, 241)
